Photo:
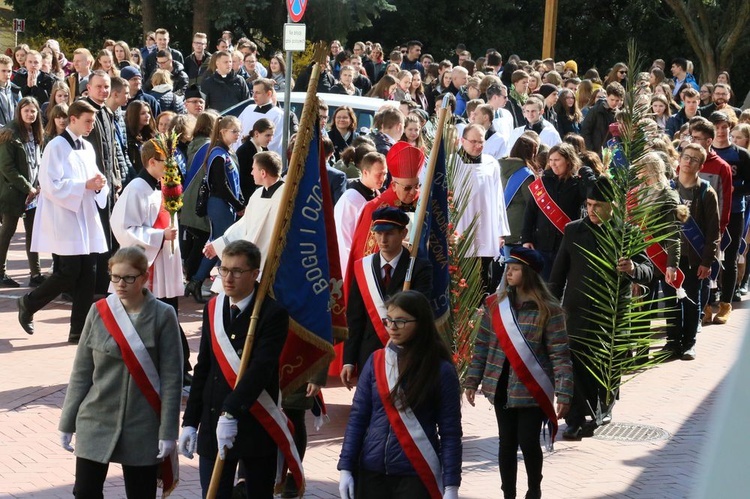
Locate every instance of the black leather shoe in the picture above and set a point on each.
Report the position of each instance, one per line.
(25, 318)
(579, 431)
(36, 280)
(194, 288)
(8, 282)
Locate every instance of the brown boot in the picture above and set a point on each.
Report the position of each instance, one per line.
(724, 310)
(708, 313)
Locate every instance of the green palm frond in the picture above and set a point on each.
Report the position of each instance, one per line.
(620, 328)
(466, 290)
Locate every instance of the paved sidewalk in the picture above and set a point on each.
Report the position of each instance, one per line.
(677, 397)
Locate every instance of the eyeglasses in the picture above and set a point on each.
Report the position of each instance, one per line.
(129, 279)
(407, 187)
(474, 142)
(622, 72)
(236, 273)
(691, 159)
(693, 138)
(396, 323)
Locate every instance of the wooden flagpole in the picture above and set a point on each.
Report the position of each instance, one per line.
(281, 226)
(424, 196)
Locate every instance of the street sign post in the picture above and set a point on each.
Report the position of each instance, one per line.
(294, 37)
(294, 40)
(19, 26)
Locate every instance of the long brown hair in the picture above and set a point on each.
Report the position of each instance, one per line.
(221, 124)
(133, 122)
(382, 86)
(534, 286)
(36, 128)
(56, 111)
(568, 153)
(419, 381)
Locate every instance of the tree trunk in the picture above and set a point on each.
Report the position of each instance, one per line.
(715, 49)
(148, 15)
(201, 19)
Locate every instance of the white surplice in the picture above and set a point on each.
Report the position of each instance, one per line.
(132, 221)
(345, 215)
(486, 201)
(249, 116)
(256, 226)
(67, 218)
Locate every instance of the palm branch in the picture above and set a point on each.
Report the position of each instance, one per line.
(465, 291)
(620, 331)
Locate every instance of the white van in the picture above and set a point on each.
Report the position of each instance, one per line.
(364, 107)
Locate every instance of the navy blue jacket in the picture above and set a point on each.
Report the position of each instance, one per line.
(369, 442)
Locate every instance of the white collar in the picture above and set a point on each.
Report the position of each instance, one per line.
(73, 135)
(243, 303)
(393, 262)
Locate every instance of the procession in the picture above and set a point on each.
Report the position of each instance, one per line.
(381, 274)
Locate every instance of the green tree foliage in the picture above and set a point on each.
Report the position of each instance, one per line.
(80, 23)
(717, 30)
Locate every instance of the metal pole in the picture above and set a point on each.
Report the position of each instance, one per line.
(287, 105)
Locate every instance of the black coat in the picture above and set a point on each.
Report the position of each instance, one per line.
(149, 64)
(210, 395)
(572, 272)
(595, 126)
(363, 340)
(40, 91)
(224, 92)
(569, 195)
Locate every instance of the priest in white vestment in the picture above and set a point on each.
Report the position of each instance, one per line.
(479, 173)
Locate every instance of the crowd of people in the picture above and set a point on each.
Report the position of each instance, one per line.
(82, 157)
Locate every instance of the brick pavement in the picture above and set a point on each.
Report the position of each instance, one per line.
(678, 397)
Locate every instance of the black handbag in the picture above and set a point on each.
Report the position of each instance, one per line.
(201, 204)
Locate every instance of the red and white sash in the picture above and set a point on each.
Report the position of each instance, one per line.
(368, 282)
(406, 426)
(265, 410)
(522, 359)
(551, 210)
(658, 257)
(143, 371)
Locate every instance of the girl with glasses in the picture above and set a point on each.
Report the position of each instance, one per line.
(225, 202)
(116, 415)
(410, 384)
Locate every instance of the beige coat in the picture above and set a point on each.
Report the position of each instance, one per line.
(104, 407)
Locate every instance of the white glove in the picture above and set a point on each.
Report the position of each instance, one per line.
(346, 484)
(188, 441)
(451, 492)
(165, 448)
(65, 439)
(226, 431)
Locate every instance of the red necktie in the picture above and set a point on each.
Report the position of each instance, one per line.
(387, 275)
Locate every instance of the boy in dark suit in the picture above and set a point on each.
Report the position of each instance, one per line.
(376, 277)
(219, 416)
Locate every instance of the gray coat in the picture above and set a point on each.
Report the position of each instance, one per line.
(112, 419)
